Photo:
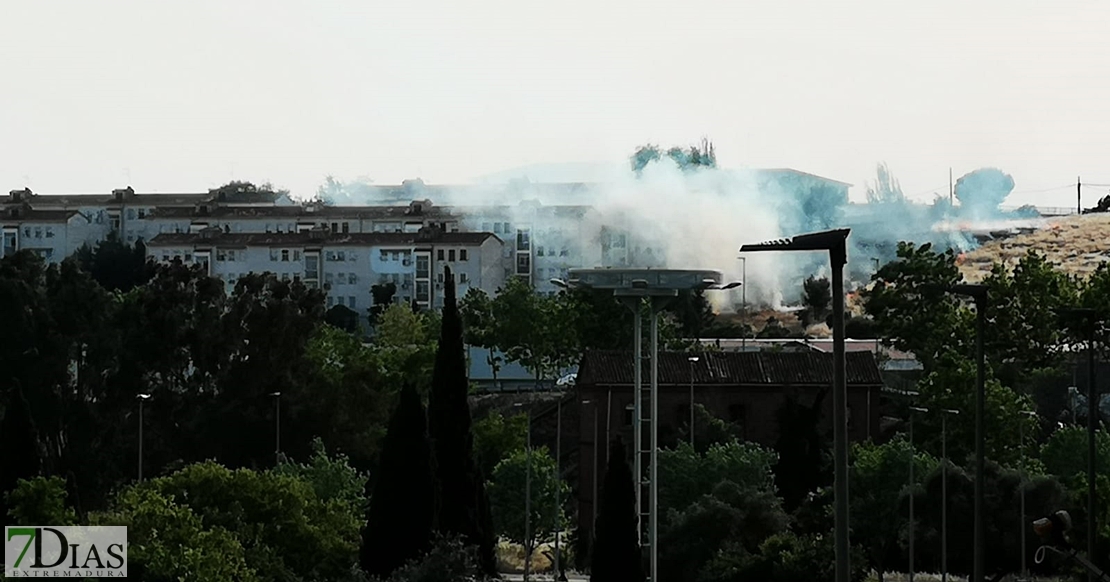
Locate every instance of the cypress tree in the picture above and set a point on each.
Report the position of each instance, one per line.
(461, 503)
(616, 548)
(19, 447)
(399, 520)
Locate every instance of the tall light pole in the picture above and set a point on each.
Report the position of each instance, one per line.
(1021, 469)
(558, 484)
(835, 243)
(693, 360)
(277, 426)
(913, 486)
(655, 288)
(142, 400)
(979, 294)
(944, 492)
(1089, 317)
(595, 465)
(527, 494)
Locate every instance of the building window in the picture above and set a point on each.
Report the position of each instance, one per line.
(463, 278)
(523, 240)
(422, 267)
(505, 227)
(221, 255)
(496, 228)
(563, 252)
(451, 255)
(462, 254)
(342, 278)
(346, 227)
(439, 255)
(539, 251)
(285, 255)
(49, 232)
(628, 410)
(523, 265)
(422, 291)
(331, 301)
(384, 255)
(350, 298)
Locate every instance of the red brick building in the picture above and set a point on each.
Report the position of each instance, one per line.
(743, 387)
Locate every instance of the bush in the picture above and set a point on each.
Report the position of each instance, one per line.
(449, 560)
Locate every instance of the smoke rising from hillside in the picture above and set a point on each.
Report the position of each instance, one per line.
(697, 218)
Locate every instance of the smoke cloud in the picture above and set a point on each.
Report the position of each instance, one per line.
(697, 217)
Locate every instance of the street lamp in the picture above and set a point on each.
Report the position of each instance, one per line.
(834, 242)
(142, 399)
(913, 455)
(595, 465)
(658, 287)
(1089, 318)
(277, 426)
(1021, 439)
(527, 494)
(693, 360)
(979, 294)
(944, 492)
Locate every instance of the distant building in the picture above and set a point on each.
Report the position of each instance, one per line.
(345, 266)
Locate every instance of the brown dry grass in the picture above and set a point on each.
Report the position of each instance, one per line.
(1074, 244)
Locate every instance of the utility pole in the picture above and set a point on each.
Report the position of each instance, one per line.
(951, 189)
(1078, 195)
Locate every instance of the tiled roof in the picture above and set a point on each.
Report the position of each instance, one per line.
(71, 200)
(730, 368)
(239, 239)
(36, 215)
(398, 212)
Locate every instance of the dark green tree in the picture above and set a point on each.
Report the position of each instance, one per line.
(616, 547)
(803, 456)
(382, 295)
(19, 446)
(116, 265)
(399, 522)
(342, 317)
(816, 301)
(462, 507)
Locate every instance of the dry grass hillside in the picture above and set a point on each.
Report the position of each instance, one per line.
(1075, 244)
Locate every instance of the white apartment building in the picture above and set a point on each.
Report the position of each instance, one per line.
(345, 266)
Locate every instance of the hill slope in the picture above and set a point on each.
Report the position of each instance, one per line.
(1074, 244)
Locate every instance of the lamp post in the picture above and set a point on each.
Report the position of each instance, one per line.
(834, 242)
(1089, 318)
(693, 360)
(527, 494)
(277, 426)
(595, 465)
(1021, 470)
(656, 287)
(979, 294)
(558, 485)
(944, 492)
(142, 399)
(913, 486)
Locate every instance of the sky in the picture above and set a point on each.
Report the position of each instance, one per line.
(181, 97)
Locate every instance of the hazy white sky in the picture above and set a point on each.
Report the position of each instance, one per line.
(182, 96)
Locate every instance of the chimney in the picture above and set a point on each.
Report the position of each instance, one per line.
(20, 195)
(121, 193)
(428, 233)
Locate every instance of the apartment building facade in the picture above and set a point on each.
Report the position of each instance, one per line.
(344, 265)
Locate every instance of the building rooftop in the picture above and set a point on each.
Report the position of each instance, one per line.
(239, 239)
(614, 368)
(22, 214)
